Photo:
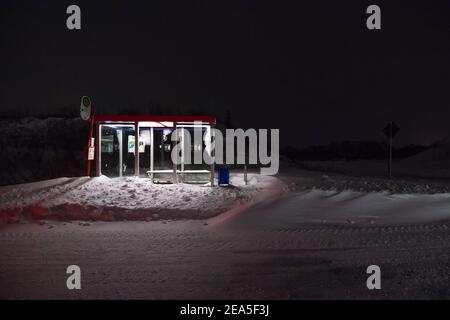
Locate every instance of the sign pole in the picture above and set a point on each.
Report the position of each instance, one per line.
(90, 144)
(390, 150)
(87, 113)
(390, 131)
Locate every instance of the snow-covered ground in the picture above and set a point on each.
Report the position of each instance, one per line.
(330, 198)
(263, 253)
(129, 198)
(304, 180)
(314, 242)
(318, 207)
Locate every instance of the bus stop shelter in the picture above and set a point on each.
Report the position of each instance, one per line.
(137, 145)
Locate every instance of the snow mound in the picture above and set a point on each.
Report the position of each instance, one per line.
(127, 198)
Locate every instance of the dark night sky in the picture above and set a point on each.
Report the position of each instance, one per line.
(310, 68)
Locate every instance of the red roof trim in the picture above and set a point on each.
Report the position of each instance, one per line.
(139, 118)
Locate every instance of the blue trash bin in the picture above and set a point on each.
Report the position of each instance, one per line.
(224, 176)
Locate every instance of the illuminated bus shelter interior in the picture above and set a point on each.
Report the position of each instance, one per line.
(117, 145)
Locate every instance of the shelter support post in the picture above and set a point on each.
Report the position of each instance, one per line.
(136, 149)
(174, 166)
(213, 153)
(152, 149)
(98, 143)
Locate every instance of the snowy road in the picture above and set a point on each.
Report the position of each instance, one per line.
(273, 251)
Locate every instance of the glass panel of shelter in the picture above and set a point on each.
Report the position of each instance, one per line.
(190, 171)
(161, 165)
(117, 150)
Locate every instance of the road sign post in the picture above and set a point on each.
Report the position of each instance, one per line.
(390, 131)
(87, 113)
